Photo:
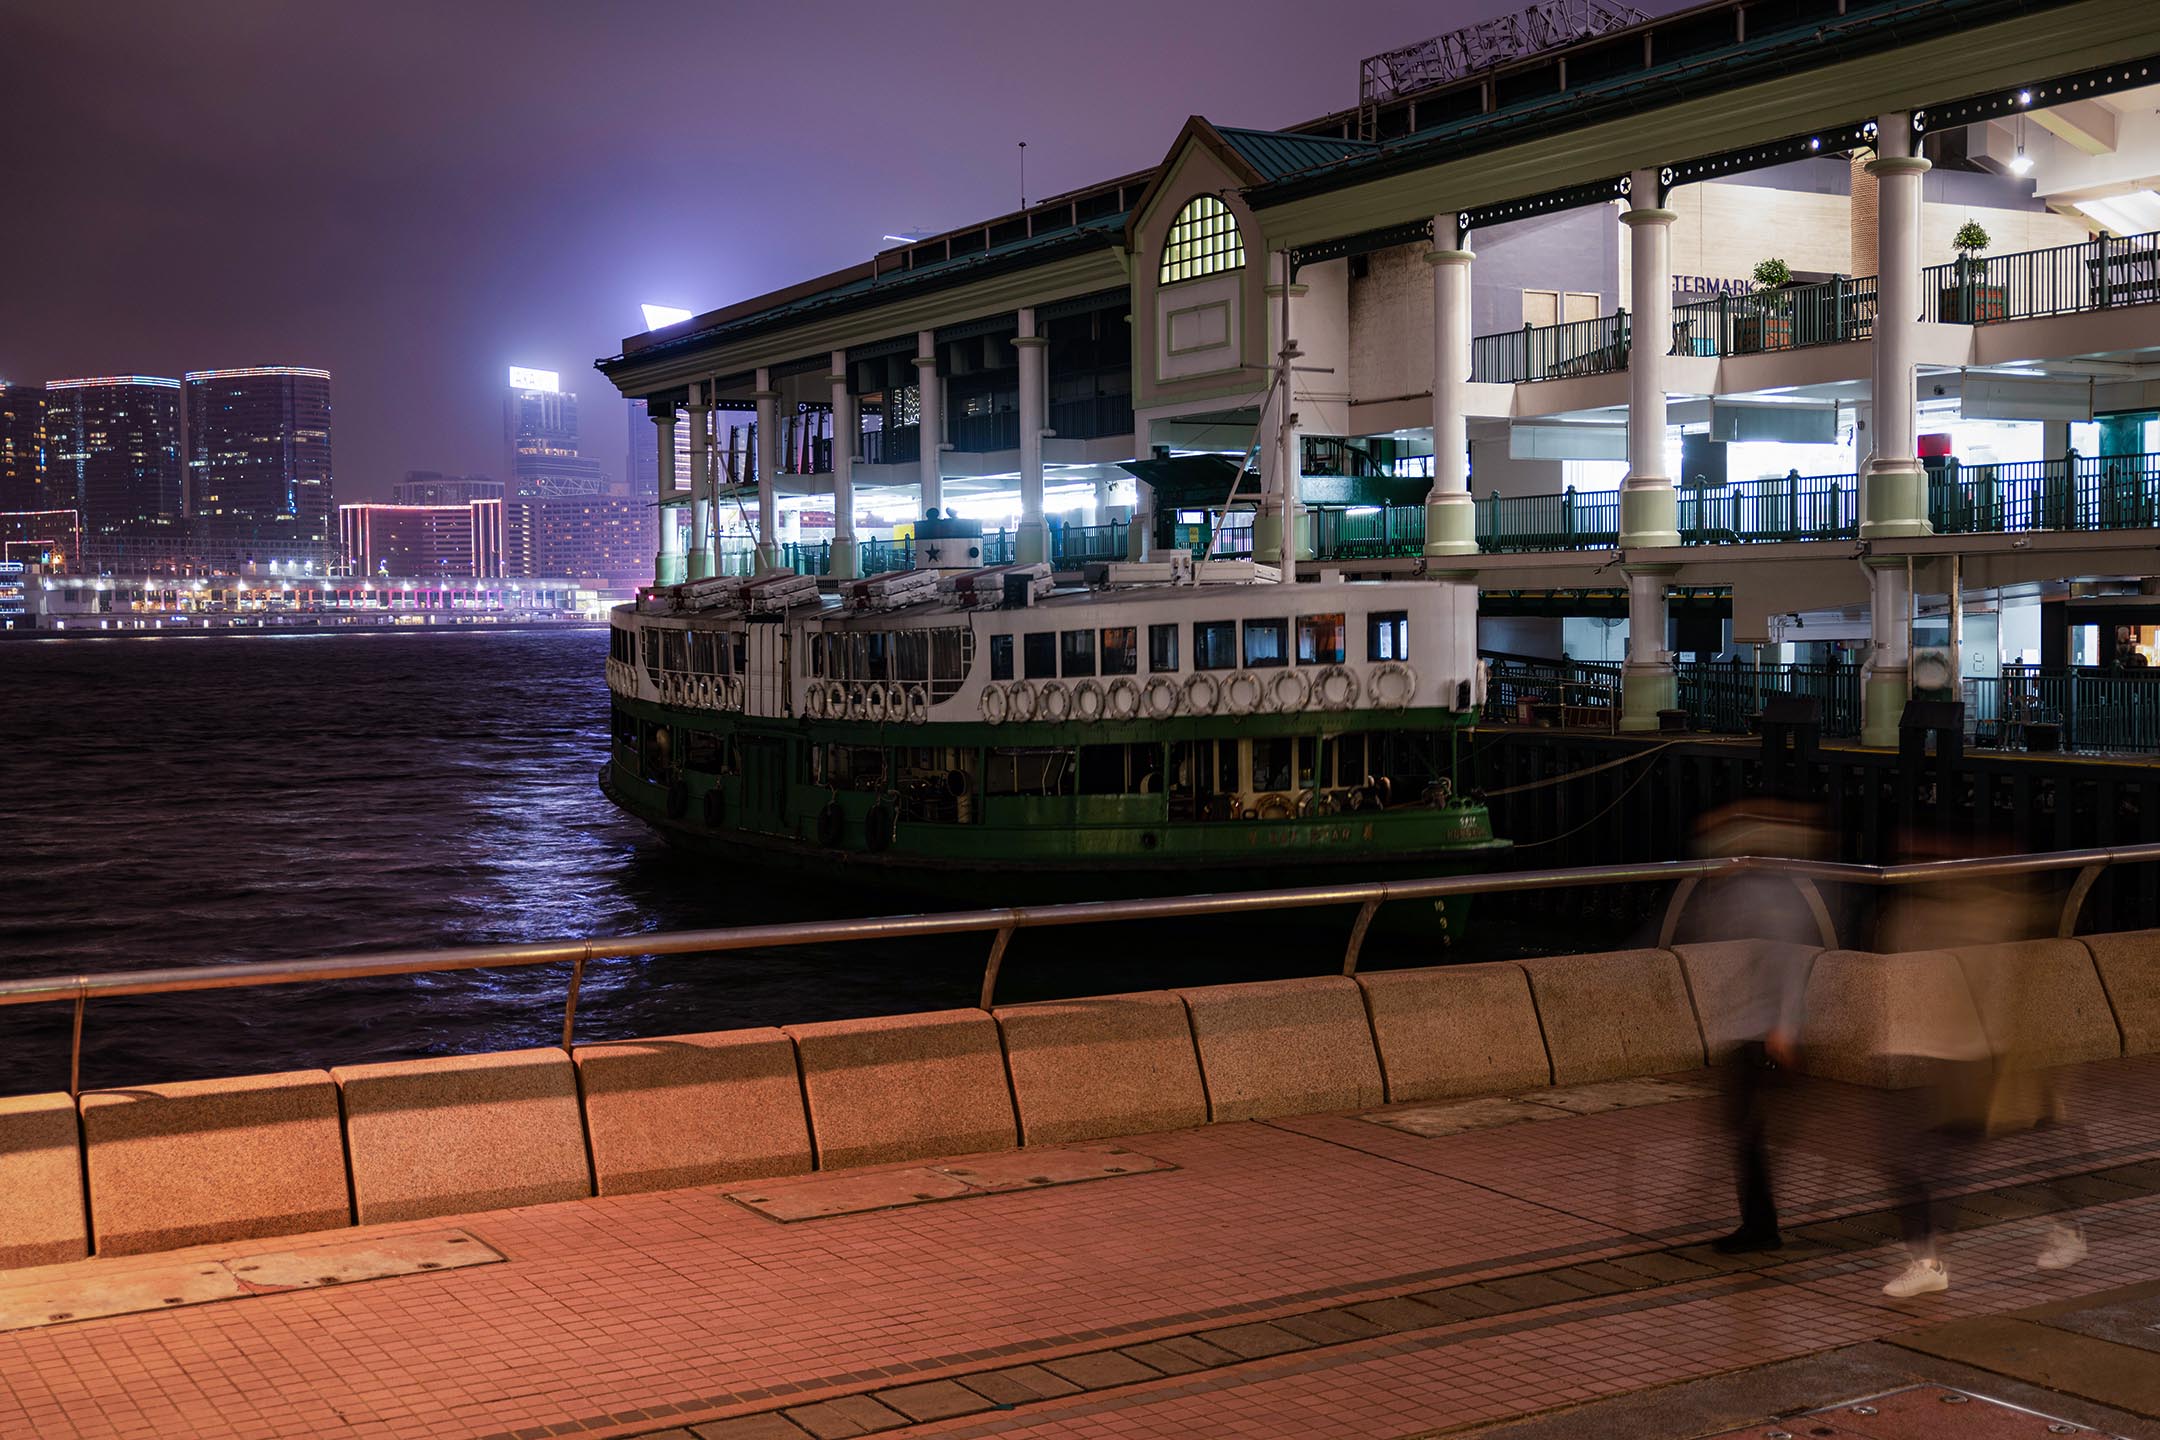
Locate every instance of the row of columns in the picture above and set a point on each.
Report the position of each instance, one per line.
(1893, 484)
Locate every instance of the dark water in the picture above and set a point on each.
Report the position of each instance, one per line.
(188, 801)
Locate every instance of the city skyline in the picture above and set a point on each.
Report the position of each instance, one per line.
(395, 244)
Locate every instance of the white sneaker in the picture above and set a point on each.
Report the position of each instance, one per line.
(2065, 1247)
(1922, 1277)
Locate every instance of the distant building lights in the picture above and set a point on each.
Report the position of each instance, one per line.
(95, 381)
(252, 371)
(659, 317)
(524, 378)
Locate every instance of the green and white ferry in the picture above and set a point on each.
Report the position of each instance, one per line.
(985, 734)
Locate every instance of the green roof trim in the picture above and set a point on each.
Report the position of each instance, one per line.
(1280, 153)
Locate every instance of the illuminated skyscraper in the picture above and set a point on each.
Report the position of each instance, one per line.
(645, 452)
(258, 464)
(112, 450)
(22, 447)
(432, 487)
(540, 435)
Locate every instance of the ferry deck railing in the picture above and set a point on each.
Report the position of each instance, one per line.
(1002, 924)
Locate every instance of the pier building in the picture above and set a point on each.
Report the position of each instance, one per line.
(267, 599)
(1896, 262)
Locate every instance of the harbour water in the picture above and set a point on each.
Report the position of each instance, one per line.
(188, 801)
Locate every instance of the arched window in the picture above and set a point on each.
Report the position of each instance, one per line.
(1204, 240)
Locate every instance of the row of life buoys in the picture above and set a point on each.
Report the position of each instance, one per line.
(1236, 692)
(877, 701)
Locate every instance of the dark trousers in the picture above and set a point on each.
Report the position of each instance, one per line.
(1750, 1079)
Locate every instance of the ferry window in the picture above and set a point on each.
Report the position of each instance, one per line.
(626, 730)
(911, 656)
(1387, 635)
(1120, 769)
(818, 645)
(950, 652)
(1038, 653)
(1271, 764)
(1320, 640)
(1162, 649)
(1203, 779)
(878, 654)
(1264, 643)
(1077, 652)
(1121, 651)
(672, 650)
(741, 640)
(1214, 645)
(1030, 772)
(706, 753)
(855, 767)
(1001, 657)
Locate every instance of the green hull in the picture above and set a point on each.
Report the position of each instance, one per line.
(750, 792)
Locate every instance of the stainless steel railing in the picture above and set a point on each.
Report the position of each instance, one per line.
(1002, 924)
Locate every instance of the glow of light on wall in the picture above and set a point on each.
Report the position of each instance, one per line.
(523, 378)
(659, 317)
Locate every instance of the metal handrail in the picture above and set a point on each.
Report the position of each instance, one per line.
(1002, 923)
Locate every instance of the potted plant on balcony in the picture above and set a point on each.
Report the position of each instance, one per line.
(1966, 300)
(1766, 323)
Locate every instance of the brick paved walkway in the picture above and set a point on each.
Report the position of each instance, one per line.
(1321, 1276)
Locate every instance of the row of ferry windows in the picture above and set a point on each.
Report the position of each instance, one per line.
(1216, 645)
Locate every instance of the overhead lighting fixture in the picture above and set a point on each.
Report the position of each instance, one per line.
(659, 317)
(2021, 163)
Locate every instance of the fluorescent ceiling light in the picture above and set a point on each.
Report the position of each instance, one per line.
(659, 317)
(2134, 213)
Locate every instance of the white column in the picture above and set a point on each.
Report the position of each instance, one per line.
(704, 548)
(846, 435)
(1033, 541)
(1450, 510)
(933, 422)
(1647, 682)
(668, 567)
(768, 546)
(1888, 683)
(1648, 509)
(1893, 486)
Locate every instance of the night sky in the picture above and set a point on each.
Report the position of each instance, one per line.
(416, 195)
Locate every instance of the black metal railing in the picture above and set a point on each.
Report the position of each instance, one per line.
(1723, 697)
(1597, 346)
(2097, 275)
(1790, 317)
(983, 434)
(1092, 418)
(893, 445)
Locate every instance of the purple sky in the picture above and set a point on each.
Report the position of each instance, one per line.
(416, 195)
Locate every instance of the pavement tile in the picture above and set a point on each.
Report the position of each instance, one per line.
(1191, 1350)
(934, 1400)
(1330, 1327)
(1255, 1342)
(1465, 1302)
(1530, 1291)
(849, 1415)
(1019, 1385)
(1399, 1314)
(1101, 1369)
(743, 1427)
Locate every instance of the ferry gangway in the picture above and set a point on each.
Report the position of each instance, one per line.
(1002, 924)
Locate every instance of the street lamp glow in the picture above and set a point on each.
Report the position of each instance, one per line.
(659, 317)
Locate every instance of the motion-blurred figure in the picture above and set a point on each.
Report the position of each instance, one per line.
(1965, 1037)
(1757, 1029)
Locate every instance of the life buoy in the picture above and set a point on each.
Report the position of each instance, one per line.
(715, 808)
(736, 689)
(917, 700)
(1055, 703)
(1160, 696)
(1243, 693)
(873, 707)
(992, 705)
(1275, 807)
(1087, 701)
(678, 800)
(1020, 701)
(1394, 684)
(831, 824)
(851, 707)
(814, 700)
(1292, 691)
(1203, 693)
(836, 700)
(1122, 700)
(878, 827)
(1336, 688)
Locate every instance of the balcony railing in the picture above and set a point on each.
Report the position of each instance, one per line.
(1394, 532)
(1789, 318)
(2077, 492)
(1722, 697)
(1075, 545)
(1093, 418)
(1567, 521)
(982, 434)
(2025, 707)
(1788, 507)
(1550, 352)
(893, 445)
(2096, 275)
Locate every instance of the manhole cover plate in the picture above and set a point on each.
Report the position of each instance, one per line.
(1924, 1412)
